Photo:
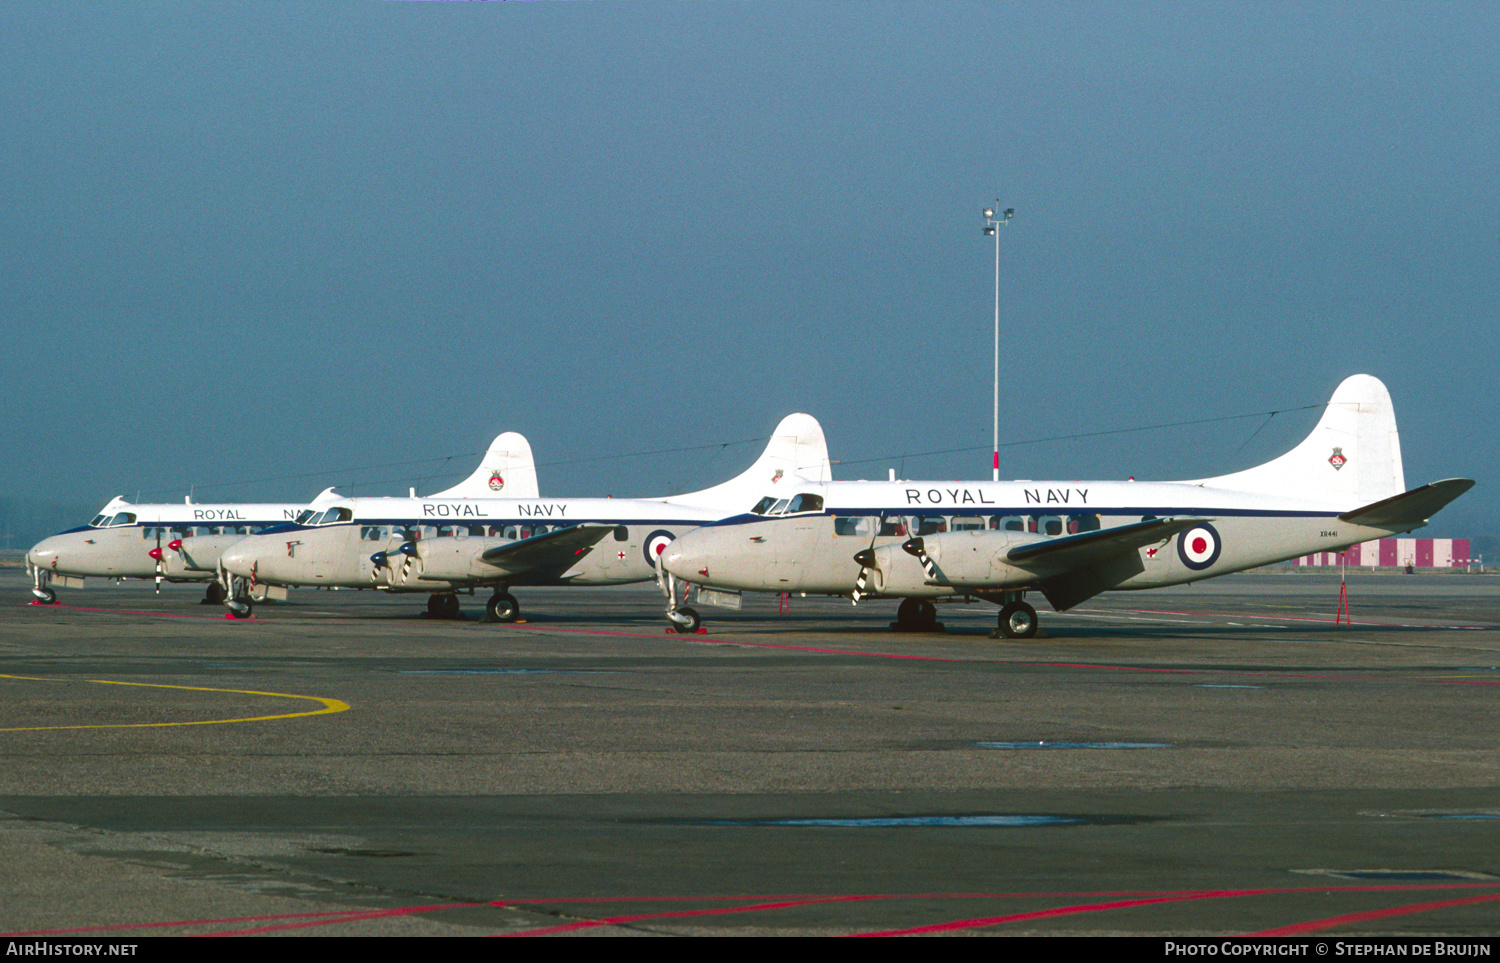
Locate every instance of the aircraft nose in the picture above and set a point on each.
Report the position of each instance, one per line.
(684, 557)
(239, 558)
(43, 554)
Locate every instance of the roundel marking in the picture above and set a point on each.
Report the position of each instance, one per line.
(1198, 547)
(655, 544)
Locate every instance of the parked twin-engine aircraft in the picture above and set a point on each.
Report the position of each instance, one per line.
(183, 542)
(1068, 540)
(442, 546)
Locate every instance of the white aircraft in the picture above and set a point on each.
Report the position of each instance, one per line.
(1068, 540)
(183, 542)
(442, 546)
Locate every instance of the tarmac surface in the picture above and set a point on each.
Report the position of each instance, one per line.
(1215, 759)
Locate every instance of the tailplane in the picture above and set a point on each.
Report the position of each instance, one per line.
(797, 450)
(1353, 455)
(507, 471)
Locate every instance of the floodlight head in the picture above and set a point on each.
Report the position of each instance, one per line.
(1009, 213)
(989, 212)
(989, 230)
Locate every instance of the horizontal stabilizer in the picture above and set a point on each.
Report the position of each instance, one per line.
(1087, 547)
(555, 550)
(1409, 509)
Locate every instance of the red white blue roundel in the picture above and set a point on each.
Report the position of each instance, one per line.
(1198, 547)
(656, 543)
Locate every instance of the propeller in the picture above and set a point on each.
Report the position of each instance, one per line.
(866, 559)
(916, 547)
(381, 560)
(156, 553)
(408, 549)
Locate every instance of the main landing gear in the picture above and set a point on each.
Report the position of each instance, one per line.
(502, 607)
(443, 606)
(916, 615)
(213, 594)
(1017, 621)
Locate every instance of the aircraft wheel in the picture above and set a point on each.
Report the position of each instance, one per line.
(213, 594)
(687, 621)
(502, 607)
(926, 614)
(1018, 621)
(45, 595)
(906, 612)
(239, 608)
(452, 607)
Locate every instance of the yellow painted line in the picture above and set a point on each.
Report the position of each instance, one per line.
(329, 705)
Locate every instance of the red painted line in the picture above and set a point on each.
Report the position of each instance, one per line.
(1047, 665)
(684, 914)
(758, 645)
(161, 615)
(1314, 926)
(1292, 618)
(1116, 899)
(171, 923)
(972, 924)
(351, 916)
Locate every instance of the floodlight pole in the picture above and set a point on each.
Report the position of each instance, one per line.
(992, 221)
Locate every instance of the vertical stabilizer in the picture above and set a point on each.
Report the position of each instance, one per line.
(1353, 455)
(797, 450)
(507, 471)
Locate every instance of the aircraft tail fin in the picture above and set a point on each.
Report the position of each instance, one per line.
(507, 470)
(1353, 454)
(797, 449)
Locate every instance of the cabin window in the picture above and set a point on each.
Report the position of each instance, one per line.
(931, 524)
(1082, 523)
(893, 526)
(853, 525)
(1009, 523)
(967, 523)
(1048, 525)
(622, 533)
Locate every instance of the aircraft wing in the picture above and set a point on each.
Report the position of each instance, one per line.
(1075, 568)
(1411, 509)
(1086, 548)
(555, 550)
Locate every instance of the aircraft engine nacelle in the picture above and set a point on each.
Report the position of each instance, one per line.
(456, 559)
(960, 559)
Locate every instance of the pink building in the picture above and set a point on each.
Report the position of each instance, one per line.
(1397, 553)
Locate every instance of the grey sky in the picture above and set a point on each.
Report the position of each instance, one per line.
(250, 245)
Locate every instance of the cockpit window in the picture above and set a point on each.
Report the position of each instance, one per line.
(779, 507)
(806, 503)
(117, 521)
(760, 506)
(98, 521)
(304, 517)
